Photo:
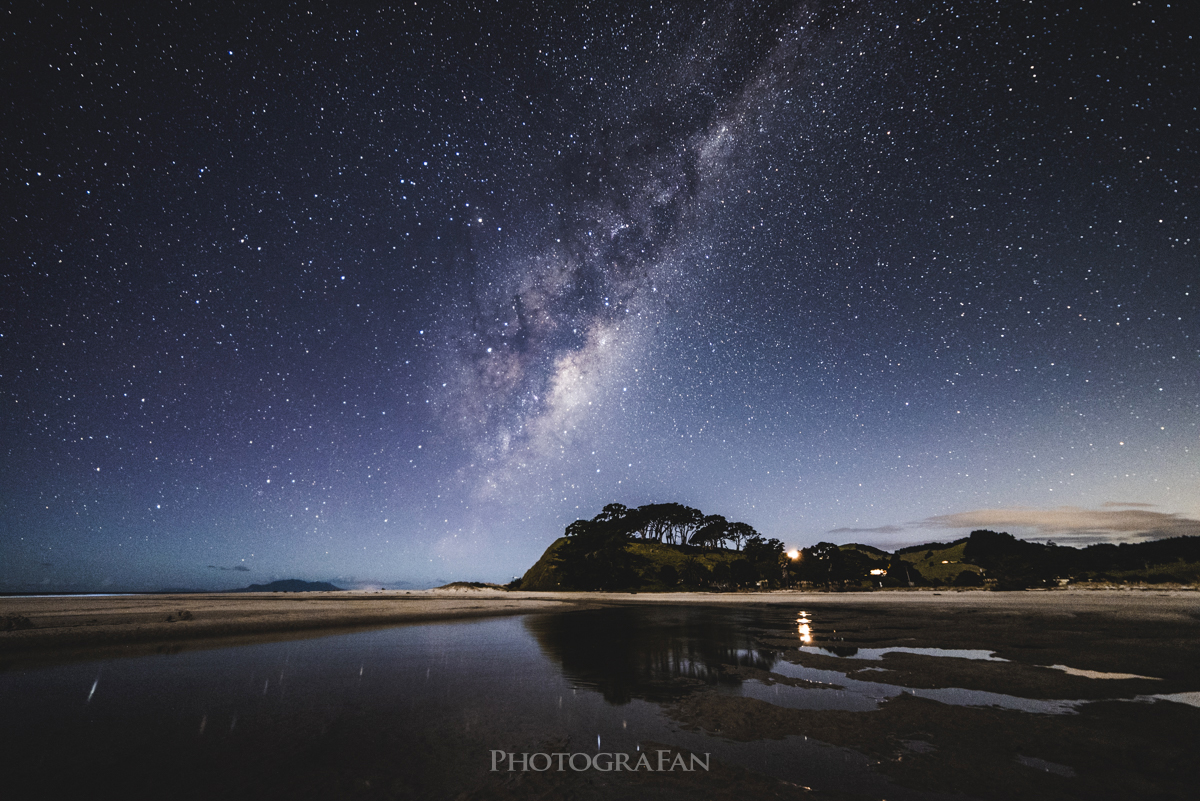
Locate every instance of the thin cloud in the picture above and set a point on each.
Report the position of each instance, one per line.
(875, 530)
(238, 568)
(1108, 524)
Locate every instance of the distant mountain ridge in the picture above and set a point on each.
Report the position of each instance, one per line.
(291, 585)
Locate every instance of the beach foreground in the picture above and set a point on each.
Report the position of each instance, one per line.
(48, 627)
(901, 695)
(92, 625)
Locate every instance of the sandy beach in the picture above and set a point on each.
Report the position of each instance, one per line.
(54, 627)
(64, 626)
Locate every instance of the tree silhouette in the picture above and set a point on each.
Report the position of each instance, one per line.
(711, 532)
(738, 533)
(694, 573)
(764, 556)
(742, 572)
(1014, 563)
(596, 556)
(666, 522)
(821, 564)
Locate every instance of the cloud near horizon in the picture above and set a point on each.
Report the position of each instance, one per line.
(238, 568)
(874, 530)
(1074, 524)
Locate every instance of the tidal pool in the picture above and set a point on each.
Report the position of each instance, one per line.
(421, 712)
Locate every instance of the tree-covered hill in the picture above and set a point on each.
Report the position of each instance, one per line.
(657, 547)
(669, 546)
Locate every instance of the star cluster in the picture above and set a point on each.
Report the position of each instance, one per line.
(394, 294)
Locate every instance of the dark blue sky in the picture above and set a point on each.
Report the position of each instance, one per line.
(395, 295)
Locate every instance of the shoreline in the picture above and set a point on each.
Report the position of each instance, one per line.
(72, 627)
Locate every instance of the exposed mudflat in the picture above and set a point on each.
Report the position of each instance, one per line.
(1115, 654)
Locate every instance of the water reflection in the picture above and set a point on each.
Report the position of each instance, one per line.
(855, 695)
(414, 712)
(804, 627)
(875, 654)
(655, 654)
(413, 709)
(807, 632)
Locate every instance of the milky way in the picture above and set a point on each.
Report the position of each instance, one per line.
(556, 316)
(395, 295)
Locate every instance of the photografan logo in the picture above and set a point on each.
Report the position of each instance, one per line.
(660, 761)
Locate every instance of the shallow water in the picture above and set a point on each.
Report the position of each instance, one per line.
(417, 711)
(863, 696)
(411, 711)
(877, 653)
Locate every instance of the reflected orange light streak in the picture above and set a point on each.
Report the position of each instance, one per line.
(804, 627)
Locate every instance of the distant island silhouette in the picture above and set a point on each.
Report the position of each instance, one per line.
(290, 585)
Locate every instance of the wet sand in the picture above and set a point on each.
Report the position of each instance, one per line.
(1122, 648)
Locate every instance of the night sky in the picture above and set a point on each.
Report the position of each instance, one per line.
(395, 295)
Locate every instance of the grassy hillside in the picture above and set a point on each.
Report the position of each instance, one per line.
(938, 562)
(543, 577)
(659, 554)
(869, 550)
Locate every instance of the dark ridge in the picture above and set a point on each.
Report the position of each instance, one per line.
(871, 549)
(291, 585)
(930, 546)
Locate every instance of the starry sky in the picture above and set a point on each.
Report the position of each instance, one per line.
(393, 294)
